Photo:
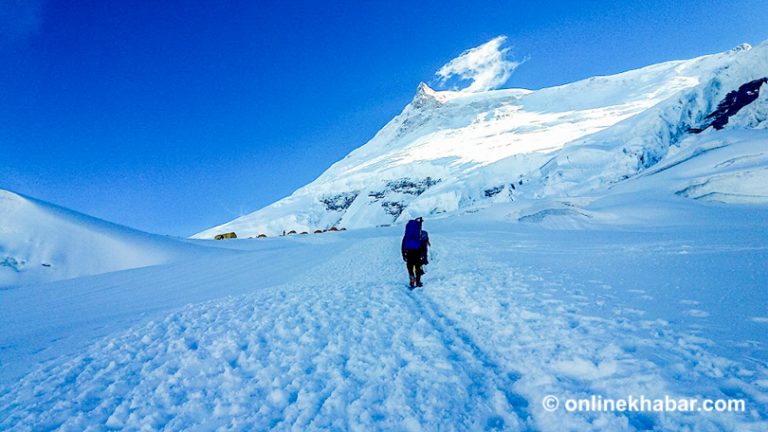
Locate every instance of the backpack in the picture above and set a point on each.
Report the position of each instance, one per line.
(412, 237)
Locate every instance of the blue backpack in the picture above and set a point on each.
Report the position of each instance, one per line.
(412, 237)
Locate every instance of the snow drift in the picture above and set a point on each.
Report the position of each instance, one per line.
(43, 242)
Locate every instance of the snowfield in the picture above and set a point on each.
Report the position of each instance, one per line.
(320, 332)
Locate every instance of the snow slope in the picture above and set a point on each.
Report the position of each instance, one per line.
(320, 333)
(43, 242)
(450, 152)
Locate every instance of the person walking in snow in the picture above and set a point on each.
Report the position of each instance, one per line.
(411, 250)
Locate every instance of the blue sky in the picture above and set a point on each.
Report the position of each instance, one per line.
(175, 116)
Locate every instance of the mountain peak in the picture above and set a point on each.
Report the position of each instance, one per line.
(427, 97)
(424, 89)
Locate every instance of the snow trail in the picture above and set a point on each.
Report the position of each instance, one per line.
(488, 380)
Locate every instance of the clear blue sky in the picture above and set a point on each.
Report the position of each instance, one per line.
(173, 116)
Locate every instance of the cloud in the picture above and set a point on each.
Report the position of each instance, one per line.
(487, 66)
(20, 18)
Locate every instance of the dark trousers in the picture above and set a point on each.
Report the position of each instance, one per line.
(413, 262)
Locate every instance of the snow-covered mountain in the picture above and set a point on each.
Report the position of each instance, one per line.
(44, 242)
(450, 152)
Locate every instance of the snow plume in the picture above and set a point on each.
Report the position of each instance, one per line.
(487, 66)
